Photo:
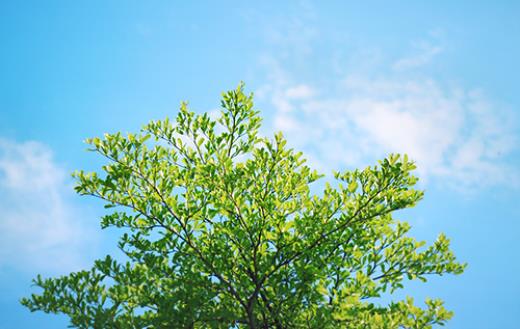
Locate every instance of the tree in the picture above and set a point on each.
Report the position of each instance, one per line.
(222, 230)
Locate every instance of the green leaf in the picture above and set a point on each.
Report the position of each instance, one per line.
(352, 186)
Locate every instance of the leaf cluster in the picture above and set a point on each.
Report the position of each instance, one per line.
(222, 230)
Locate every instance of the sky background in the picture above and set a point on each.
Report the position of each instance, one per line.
(346, 82)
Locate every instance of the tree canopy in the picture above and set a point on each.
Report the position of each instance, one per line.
(221, 229)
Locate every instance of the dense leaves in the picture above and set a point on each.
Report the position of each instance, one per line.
(222, 230)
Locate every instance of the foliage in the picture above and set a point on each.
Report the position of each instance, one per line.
(222, 230)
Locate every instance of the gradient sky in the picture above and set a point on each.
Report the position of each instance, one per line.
(347, 84)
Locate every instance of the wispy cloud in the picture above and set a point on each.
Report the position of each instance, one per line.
(423, 53)
(40, 227)
(457, 135)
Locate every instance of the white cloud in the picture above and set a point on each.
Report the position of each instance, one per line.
(40, 228)
(457, 136)
(363, 102)
(424, 53)
(299, 92)
(347, 103)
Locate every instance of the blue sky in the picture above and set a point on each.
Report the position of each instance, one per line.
(347, 83)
